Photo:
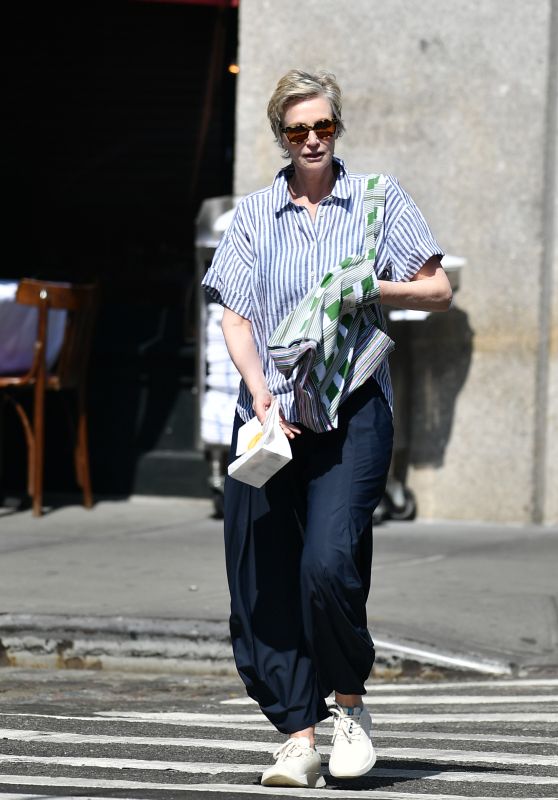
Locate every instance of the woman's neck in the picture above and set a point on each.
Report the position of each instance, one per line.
(313, 187)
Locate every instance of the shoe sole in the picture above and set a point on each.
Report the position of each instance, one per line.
(287, 780)
(358, 774)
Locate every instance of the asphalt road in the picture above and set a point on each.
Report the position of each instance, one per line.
(102, 734)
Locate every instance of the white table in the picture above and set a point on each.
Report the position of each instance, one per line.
(18, 332)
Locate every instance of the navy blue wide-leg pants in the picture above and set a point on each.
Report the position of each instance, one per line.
(299, 558)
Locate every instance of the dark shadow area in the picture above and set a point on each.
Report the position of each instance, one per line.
(378, 779)
(127, 123)
(429, 368)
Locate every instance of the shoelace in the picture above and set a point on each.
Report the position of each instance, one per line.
(289, 748)
(348, 725)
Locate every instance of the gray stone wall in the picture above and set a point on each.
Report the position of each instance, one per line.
(548, 499)
(459, 101)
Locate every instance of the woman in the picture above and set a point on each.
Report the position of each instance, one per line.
(299, 550)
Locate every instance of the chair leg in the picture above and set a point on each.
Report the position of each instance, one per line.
(2, 409)
(83, 476)
(29, 440)
(37, 456)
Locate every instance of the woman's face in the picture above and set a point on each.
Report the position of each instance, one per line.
(313, 154)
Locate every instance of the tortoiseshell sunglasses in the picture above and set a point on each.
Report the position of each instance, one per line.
(323, 128)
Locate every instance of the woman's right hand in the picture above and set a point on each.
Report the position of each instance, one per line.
(261, 401)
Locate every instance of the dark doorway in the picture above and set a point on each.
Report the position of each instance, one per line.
(131, 110)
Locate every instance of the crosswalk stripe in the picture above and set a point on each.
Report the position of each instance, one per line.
(165, 717)
(390, 732)
(229, 789)
(413, 754)
(57, 737)
(519, 683)
(432, 700)
(470, 757)
(10, 796)
(262, 727)
(202, 720)
(207, 768)
(462, 737)
(427, 756)
(180, 718)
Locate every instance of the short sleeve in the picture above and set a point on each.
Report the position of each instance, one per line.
(228, 279)
(408, 239)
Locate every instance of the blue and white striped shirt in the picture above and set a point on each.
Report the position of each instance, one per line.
(272, 254)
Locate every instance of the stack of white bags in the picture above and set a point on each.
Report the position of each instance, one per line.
(221, 385)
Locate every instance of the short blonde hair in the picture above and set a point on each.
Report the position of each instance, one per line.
(299, 85)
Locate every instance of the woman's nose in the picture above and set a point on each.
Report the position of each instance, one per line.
(312, 138)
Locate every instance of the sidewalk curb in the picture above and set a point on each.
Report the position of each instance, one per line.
(87, 642)
(189, 646)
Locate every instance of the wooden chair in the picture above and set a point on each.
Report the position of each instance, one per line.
(68, 373)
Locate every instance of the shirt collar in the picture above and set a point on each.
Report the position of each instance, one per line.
(280, 190)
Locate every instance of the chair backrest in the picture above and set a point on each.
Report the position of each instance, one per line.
(81, 302)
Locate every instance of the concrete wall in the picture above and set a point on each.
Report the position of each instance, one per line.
(459, 101)
(549, 297)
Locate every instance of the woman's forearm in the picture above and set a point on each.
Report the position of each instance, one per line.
(242, 350)
(430, 290)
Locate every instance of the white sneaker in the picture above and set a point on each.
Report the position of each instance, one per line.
(298, 764)
(352, 754)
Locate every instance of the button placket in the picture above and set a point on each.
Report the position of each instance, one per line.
(314, 262)
(319, 228)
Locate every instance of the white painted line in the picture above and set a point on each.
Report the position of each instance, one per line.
(230, 789)
(381, 735)
(163, 717)
(206, 768)
(461, 699)
(486, 683)
(176, 716)
(26, 735)
(433, 700)
(411, 753)
(487, 666)
(5, 796)
(459, 737)
(410, 562)
(414, 719)
(466, 777)
(180, 718)
(261, 725)
(10, 796)
(238, 701)
(467, 757)
(189, 768)
(324, 730)
(193, 719)
(55, 737)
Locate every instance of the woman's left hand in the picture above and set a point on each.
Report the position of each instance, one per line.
(288, 428)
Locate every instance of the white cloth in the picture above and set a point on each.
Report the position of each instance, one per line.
(218, 409)
(221, 383)
(18, 332)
